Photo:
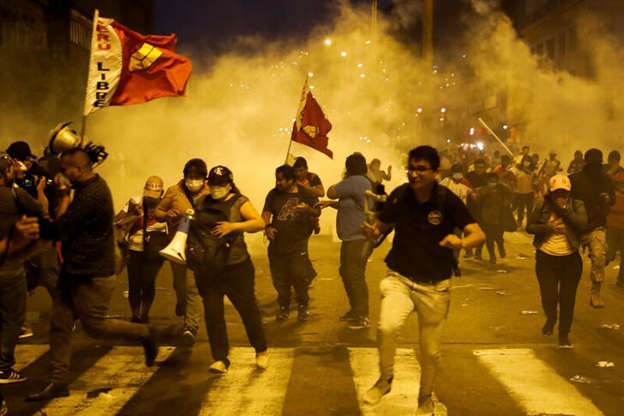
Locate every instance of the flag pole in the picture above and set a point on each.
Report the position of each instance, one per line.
(83, 128)
(302, 102)
(495, 136)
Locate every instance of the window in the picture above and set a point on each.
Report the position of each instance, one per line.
(562, 44)
(80, 30)
(572, 39)
(550, 48)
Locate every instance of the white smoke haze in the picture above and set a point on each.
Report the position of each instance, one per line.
(239, 113)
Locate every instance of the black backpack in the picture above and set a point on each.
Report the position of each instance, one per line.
(204, 251)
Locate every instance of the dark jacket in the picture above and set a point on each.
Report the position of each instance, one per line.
(575, 219)
(589, 190)
(491, 204)
(87, 231)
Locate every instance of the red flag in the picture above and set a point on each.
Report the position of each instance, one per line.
(129, 68)
(311, 126)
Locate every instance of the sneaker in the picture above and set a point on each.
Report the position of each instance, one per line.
(595, 300)
(282, 315)
(564, 342)
(359, 323)
(188, 338)
(135, 320)
(502, 252)
(262, 360)
(380, 389)
(219, 367)
(346, 317)
(26, 332)
(11, 376)
(302, 313)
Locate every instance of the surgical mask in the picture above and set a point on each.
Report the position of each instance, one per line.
(194, 185)
(219, 192)
(458, 176)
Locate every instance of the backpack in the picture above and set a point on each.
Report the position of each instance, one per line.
(205, 251)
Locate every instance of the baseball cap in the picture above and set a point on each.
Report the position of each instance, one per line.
(559, 182)
(154, 187)
(220, 175)
(20, 150)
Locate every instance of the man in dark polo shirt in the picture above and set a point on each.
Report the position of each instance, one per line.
(87, 276)
(420, 264)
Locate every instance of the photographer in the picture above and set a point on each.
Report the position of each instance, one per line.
(14, 203)
(42, 269)
(87, 277)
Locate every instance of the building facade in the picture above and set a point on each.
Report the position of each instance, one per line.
(44, 54)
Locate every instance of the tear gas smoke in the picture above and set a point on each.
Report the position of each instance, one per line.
(374, 89)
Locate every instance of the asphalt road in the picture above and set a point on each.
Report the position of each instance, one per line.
(496, 361)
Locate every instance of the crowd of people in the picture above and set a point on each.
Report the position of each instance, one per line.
(58, 229)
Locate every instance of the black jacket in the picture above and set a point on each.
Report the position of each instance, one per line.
(589, 190)
(87, 231)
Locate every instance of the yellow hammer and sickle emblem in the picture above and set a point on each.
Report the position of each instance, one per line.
(144, 57)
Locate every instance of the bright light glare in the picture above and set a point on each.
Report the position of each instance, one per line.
(343, 54)
(443, 110)
(420, 110)
(472, 131)
(505, 126)
(328, 41)
(310, 74)
(480, 145)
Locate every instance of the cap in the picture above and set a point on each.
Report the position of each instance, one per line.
(154, 187)
(559, 182)
(220, 175)
(20, 150)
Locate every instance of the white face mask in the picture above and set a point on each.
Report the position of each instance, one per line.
(458, 176)
(194, 185)
(219, 192)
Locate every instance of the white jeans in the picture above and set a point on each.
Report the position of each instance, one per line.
(400, 297)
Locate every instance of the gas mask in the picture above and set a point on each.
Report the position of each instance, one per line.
(219, 192)
(194, 185)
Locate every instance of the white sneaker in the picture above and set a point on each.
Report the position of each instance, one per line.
(219, 367)
(262, 360)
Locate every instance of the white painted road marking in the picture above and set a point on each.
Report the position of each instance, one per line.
(534, 385)
(122, 370)
(26, 354)
(247, 390)
(403, 398)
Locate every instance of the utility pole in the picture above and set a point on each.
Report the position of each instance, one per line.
(427, 34)
(374, 17)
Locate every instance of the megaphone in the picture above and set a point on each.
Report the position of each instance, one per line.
(176, 250)
(64, 138)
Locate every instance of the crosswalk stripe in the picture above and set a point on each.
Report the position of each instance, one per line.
(533, 384)
(26, 354)
(403, 398)
(246, 390)
(117, 376)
